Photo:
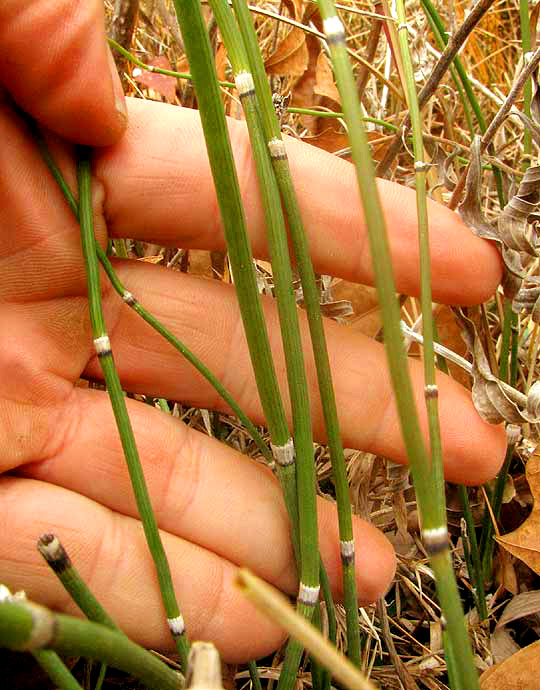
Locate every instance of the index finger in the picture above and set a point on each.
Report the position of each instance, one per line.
(55, 63)
(159, 188)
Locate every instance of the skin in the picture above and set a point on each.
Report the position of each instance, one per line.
(62, 465)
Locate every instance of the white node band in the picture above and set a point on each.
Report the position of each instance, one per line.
(176, 625)
(244, 83)
(308, 595)
(333, 29)
(421, 166)
(346, 549)
(277, 148)
(102, 345)
(284, 455)
(431, 391)
(435, 539)
(128, 298)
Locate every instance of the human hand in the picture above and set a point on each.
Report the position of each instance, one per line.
(216, 508)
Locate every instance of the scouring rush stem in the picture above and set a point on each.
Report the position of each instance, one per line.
(287, 312)
(434, 533)
(25, 626)
(56, 669)
(60, 563)
(435, 536)
(103, 350)
(230, 203)
(276, 147)
(151, 320)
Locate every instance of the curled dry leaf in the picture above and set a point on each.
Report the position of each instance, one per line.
(524, 542)
(510, 233)
(291, 55)
(518, 672)
(495, 400)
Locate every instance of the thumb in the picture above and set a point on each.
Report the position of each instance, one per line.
(56, 64)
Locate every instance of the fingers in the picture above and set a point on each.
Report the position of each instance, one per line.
(159, 187)
(204, 315)
(55, 63)
(111, 554)
(203, 491)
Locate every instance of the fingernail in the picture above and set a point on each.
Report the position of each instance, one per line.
(118, 91)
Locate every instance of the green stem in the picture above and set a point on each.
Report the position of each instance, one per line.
(278, 156)
(434, 533)
(55, 668)
(114, 388)
(28, 626)
(60, 563)
(151, 320)
(477, 573)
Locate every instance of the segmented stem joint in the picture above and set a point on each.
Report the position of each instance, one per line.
(333, 30)
(435, 540)
(277, 149)
(431, 391)
(244, 84)
(346, 549)
(102, 346)
(128, 298)
(307, 595)
(176, 626)
(284, 455)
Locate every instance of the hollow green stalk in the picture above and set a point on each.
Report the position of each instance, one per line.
(254, 675)
(276, 147)
(477, 571)
(60, 563)
(55, 668)
(525, 27)
(114, 388)
(435, 536)
(25, 626)
(287, 311)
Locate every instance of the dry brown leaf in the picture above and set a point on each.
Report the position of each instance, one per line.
(450, 336)
(324, 79)
(518, 672)
(328, 139)
(524, 542)
(522, 605)
(502, 645)
(366, 317)
(291, 55)
(295, 8)
(200, 263)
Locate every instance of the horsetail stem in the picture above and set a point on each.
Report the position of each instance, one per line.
(103, 350)
(278, 156)
(434, 533)
(60, 563)
(56, 669)
(25, 626)
(287, 310)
